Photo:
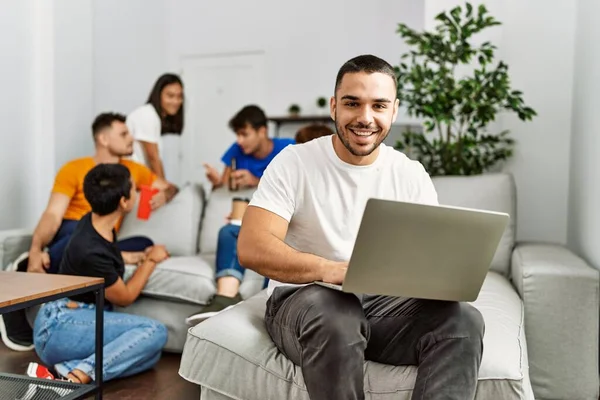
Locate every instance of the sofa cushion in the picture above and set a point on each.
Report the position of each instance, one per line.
(183, 279)
(217, 209)
(493, 192)
(175, 225)
(12, 244)
(236, 341)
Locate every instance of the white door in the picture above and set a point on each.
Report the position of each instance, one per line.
(216, 87)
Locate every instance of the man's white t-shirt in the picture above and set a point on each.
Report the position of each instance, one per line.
(144, 124)
(323, 198)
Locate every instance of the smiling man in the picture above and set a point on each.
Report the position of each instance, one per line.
(301, 226)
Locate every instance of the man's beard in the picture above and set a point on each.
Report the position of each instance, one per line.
(346, 141)
(121, 153)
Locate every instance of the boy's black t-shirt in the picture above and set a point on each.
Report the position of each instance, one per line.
(89, 254)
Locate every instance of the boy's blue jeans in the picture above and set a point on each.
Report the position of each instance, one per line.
(227, 257)
(65, 338)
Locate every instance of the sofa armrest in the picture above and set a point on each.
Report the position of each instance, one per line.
(560, 296)
(12, 244)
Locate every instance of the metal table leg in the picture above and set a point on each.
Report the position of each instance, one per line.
(99, 340)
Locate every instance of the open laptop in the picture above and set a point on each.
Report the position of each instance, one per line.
(422, 251)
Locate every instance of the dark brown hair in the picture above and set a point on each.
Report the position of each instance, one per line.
(105, 120)
(169, 123)
(250, 115)
(365, 63)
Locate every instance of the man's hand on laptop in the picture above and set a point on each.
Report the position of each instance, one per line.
(335, 272)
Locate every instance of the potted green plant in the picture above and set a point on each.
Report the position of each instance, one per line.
(294, 110)
(456, 110)
(322, 104)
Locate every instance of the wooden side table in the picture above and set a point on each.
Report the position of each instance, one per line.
(21, 290)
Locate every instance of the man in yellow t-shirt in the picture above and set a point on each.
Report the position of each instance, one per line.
(67, 204)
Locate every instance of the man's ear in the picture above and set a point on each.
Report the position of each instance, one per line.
(262, 131)
(332, 107)
(123, 203)
(101, 139)
(396, 106)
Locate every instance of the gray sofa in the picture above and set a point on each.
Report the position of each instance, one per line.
(539, 302)
(181, 285)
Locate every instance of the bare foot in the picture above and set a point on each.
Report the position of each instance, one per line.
(78, 376)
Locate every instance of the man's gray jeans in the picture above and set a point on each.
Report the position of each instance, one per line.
(329, 334)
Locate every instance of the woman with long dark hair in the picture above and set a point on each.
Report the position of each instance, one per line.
(162, 114)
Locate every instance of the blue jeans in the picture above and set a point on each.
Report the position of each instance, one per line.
(65, 338)
(56, 248)
(227, 258)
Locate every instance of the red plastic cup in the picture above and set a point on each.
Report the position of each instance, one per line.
(146, 193)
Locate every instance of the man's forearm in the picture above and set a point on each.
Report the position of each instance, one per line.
(44, 232)
(273, 258)
(157, 167)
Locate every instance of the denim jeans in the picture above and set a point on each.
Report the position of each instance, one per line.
(56, 248)
(227, 258)
(65, 338)
(329, 334)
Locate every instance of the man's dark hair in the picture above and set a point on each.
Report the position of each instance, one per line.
(250, 115)
(365, 63)
(105, 185)
(169, 123)
(105, 120)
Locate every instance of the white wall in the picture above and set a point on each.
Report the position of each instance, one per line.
(128, 52)
(536, 41)
(540, 54)
(304, 43)
(73, 79)
(16, 44)
(47, 80)
(584, 201)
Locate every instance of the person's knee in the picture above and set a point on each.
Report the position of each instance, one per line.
(465, 321)
(162, 334)
(145, 242)
(158, 335)
(473, 321)
(227, 232)
(334, 316)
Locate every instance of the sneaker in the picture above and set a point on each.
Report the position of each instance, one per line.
(15, 331)
(217, 304)
(37, 391)
(36, 370)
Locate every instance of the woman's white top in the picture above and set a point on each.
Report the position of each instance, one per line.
(144, 125)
